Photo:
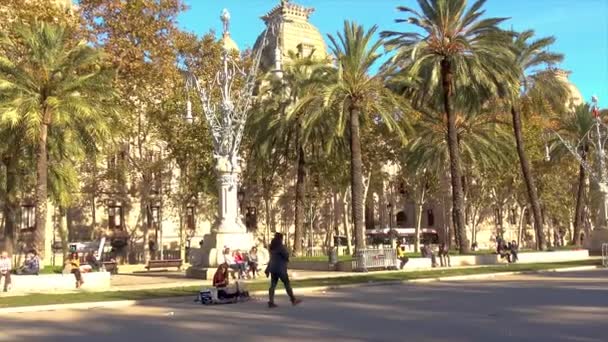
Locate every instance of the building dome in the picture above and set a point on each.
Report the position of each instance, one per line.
(575, 97)
(228, 43)
(288, 29)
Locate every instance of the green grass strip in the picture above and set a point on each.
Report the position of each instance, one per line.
(81, 297)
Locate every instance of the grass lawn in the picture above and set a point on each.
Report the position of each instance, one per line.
(80, 297)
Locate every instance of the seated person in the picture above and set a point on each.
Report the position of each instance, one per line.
(401, 256)
(221, 281)
(253, 261)
(503, 250)
(72, 265)
(514, 248)
(31, 265)
(427, 252)
(444, 255)
(239, 259)
(93, 261)
(230, 260)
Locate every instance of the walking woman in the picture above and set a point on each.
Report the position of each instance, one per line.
(277, 267)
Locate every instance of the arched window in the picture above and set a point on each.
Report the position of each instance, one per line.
(401, 219)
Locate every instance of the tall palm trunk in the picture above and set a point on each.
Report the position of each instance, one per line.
(528, 179)
(356, 177)
(300, 194)
(457, 192)
(41, 189)
(11, 202)
(580, 199)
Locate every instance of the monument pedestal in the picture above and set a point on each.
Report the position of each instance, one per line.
(594, 242)
(206, 259)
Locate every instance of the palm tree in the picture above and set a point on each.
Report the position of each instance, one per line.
(286, 100)
(538, 86)
(52, 83)
(575, 126)
(456, 49)
(355, 97)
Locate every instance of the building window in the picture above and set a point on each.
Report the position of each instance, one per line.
(513, 216)
(28, 217)
(401, 219)
(430, 218)
(115, 217)
(190, 222)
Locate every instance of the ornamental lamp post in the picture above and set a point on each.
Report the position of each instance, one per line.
(226, 101)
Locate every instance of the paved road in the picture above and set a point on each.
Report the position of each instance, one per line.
(549, 307)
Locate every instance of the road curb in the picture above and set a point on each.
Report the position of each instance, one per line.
(311, 289)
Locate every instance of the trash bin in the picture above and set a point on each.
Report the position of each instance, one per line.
(333, 256)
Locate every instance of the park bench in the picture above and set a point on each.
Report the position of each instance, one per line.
(110, 266)
(164, 264)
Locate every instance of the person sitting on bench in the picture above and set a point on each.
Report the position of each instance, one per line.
(221, 281)
(401, 256)
(31, 265)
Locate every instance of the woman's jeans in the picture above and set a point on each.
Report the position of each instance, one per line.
(274, 279)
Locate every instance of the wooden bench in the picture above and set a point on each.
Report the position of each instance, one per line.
(164, 264)
(110, 266)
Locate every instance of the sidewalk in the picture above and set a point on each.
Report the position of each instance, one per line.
(177, 279)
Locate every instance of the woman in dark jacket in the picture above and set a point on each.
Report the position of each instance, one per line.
(277, 267)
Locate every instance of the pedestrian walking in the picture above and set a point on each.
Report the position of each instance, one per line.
(5, 270)
(277, 269)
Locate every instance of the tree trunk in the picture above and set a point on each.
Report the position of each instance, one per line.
(356, 178)
(580, 202)
(41, 190)
(419, 221)
(62, 228)
(11, 202)
(299, 201)
(457, 195)
(369, 211)
(349, 246)
(521, 224)
(268, 219)
(528, 179)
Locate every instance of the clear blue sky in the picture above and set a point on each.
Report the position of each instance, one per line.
(580, 26)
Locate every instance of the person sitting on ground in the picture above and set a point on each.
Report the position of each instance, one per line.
(221, 281)
(401, 256)
(514, 248)
(31, 265)
(5, 270)
(444, 255)
(93, 261)
(427, 252)
(252, 262)
(72, 265)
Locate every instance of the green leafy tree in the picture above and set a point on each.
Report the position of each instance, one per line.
(538, 86)
(356, 97)
(454, 48)
(55, 83)
(576, 126)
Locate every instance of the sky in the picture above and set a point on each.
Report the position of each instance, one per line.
(580, 26)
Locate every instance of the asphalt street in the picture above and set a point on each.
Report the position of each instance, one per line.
(547, 307)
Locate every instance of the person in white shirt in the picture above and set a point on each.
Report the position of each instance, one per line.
(5, 270)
